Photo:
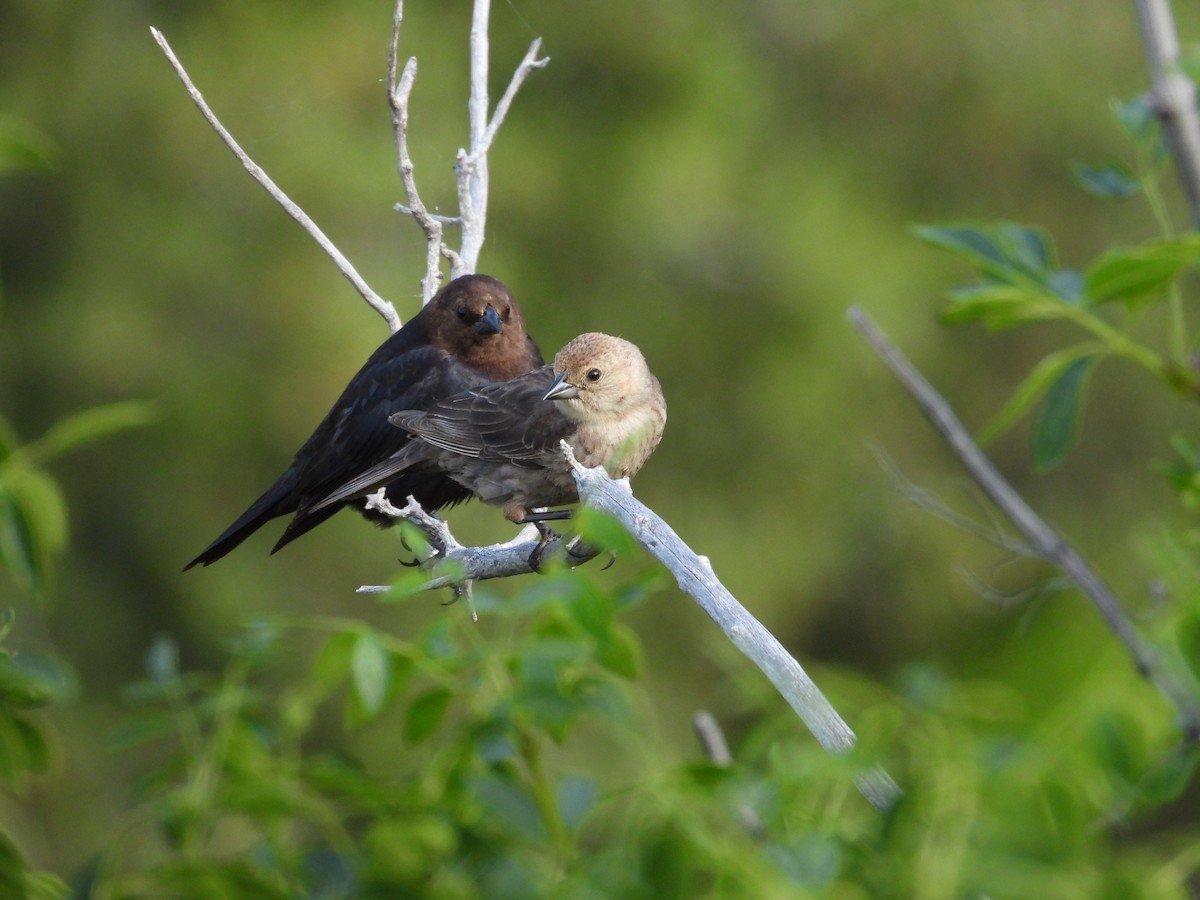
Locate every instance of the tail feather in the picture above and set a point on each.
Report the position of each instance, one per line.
(277, 501)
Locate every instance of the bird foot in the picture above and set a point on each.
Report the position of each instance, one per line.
(548, 536)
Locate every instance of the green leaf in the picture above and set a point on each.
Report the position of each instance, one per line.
(33, 526)
(1136, 118)
(91, 425)
(1057, 425)
(1130, 273)
(604, 532)
(1113, 180)
(30, 680)
(1035, 385)
(24, 147)
(371, 666)
(1000, 305)
(1010, 253)
(576, 798)
(426, 713)
(1167, 781)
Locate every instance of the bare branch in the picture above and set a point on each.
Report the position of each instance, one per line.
(400, 87)
(696, 577)
(1172, 94)
(1043, 539)
(528, 64)
(470, 564)
(381, 306)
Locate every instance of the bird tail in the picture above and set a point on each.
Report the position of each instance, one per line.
(371, 480)
(277, 501)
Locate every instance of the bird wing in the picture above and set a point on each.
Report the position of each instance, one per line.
(357, 432)
(500, 421)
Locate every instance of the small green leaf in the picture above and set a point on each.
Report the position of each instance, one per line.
(1033, 388)
(371, 666)
(604, 532)
(1007, 252)
(1113, 180)
(576, 798)
(1057, 425)
(33, 526)
(91, 425)
(1168, 780)
(1136, 119)
(1000, 305)
(1129, 273)
(426, 713)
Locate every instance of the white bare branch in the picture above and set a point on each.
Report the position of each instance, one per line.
(381, 306)
(696, 577)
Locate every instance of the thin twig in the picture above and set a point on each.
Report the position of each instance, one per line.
(1044, 540)
(381, 306)
(400, 85)
(469, 564)
(1172, 94)
(696, 577)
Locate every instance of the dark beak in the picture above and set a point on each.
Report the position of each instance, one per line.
(489, 322)
(561, 389)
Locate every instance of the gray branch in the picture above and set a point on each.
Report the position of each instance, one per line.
(471, 164)
(696, 577)
(456, 566)
(1172, 94)
(1044, 541)
(381, 306)
(400, 85)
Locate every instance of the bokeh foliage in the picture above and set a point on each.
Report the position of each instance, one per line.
(717, 183)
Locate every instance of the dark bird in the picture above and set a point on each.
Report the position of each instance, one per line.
(471, 333)
(503, 440)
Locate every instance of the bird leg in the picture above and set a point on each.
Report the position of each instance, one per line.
(534, 516)
(547, 536)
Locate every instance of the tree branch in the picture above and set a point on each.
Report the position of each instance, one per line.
(1172, 95)
(381, 306)
(399, 89)
(471, 165)
(457, 567)
(696, 577)
(1044, 541)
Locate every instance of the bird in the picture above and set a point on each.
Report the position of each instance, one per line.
(502, 441)
(471, 333)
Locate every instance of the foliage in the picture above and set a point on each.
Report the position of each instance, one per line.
(498, 787)
(33, 516)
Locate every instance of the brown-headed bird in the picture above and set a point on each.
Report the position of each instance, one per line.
(503, 441)
(471, 333)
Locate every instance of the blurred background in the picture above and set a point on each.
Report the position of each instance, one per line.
(717, 182)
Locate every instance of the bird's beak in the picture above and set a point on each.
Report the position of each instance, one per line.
(561, 389)
(489, 322)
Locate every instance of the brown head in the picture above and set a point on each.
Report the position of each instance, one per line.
(475, 319)
(603, 383)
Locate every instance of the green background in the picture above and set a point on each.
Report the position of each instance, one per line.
(718, 182)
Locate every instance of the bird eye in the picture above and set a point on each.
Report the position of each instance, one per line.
(593, 375)
(507, 313)
(461, 312)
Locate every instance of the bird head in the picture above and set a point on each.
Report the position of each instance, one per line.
(597, 375)
(476, 320)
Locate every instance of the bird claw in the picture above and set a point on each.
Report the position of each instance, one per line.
(612, 558)
(410, 565)
(548, 536)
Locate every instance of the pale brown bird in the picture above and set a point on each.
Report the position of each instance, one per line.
(503, 441)
(469, 334)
